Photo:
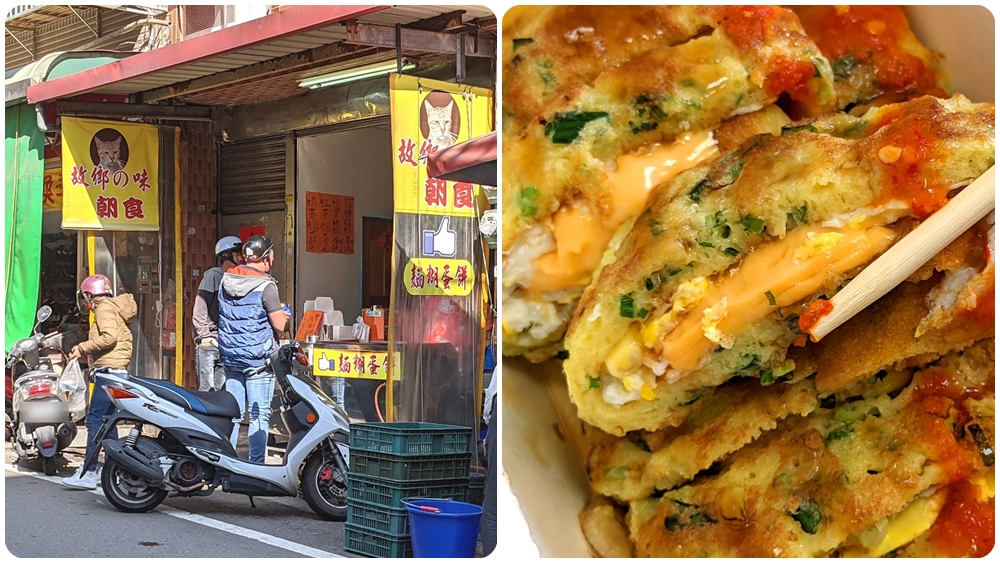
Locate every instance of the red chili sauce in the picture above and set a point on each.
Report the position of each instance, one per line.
(813, 313)
(750, 27)
(965, 526)
(875, 36)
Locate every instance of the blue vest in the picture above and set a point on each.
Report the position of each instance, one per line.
(246, 338)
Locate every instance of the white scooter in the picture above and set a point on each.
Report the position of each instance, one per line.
(185, 448)
(43, 417)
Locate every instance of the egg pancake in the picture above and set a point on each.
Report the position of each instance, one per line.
(709, 282)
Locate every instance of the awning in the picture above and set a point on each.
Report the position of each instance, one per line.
(54, 66)
(473, 161)
(115, 77)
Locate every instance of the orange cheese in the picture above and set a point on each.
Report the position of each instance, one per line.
(790, 269)
(582, 237)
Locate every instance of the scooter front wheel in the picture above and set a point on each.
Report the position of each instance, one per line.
(129, 492)
(324, 487)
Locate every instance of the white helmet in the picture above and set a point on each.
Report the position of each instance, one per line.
(228, 244)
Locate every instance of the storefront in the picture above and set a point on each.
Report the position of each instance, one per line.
(312, 167)
(49, 254)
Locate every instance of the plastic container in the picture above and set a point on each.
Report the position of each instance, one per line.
(410, 468)
(379, 518)
(443, 528)
(390, 494)
(410, 438)
(362, 541)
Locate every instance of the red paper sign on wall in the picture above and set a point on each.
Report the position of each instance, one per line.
(329, 223)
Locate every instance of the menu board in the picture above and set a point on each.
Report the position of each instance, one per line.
(329, 223)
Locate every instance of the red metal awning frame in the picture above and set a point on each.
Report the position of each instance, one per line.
(473, 161)
(287, 22)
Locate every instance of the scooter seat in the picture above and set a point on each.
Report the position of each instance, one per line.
(210, 403)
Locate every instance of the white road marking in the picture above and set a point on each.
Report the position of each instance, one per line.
(203, 520)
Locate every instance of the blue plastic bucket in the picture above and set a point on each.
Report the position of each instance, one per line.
(443, 527)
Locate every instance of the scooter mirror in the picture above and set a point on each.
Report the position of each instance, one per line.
(43, 313)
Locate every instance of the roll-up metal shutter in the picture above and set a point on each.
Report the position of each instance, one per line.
(252, 176)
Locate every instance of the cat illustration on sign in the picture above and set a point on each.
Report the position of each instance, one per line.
(439, 123)
(109, 154)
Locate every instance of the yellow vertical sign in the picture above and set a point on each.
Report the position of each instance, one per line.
(52, 190)
(428, 116)
(110, 172)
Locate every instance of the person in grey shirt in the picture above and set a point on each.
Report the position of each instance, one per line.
(211, 376)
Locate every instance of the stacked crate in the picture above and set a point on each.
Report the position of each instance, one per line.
(391, 461)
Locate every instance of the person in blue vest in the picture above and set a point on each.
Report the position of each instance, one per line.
(251, 316)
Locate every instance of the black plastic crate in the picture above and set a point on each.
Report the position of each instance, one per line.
(410, 468)
(360, 540)
(390, 494)
(410, 438)
(395, 521)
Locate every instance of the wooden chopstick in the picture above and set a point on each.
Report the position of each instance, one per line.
(910, 253)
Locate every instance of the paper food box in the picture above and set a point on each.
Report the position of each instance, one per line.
(544, 485)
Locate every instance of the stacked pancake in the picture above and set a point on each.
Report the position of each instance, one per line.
(717, 427)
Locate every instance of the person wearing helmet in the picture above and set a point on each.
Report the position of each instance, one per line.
(109, 347)
(250, 314)
(211, 376)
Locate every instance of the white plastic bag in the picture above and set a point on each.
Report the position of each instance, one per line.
(72, 380)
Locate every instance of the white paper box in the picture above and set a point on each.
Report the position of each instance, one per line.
(543, 485)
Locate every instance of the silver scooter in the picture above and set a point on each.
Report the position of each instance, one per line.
(180, 444)
(41, 423)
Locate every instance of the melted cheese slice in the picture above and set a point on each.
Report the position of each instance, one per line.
(582, 237)
(789, 270)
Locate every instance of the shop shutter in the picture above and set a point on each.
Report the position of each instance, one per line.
(252, 176)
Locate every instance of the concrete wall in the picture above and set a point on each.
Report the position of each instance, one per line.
(355, 163)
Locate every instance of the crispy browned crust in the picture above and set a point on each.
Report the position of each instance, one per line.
(729, 419)
(851, 475)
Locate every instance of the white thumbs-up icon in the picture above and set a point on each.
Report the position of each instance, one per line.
(441, 242)
(324, 363)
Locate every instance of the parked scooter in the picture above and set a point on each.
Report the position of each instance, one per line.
(40, 422)
(189, 452)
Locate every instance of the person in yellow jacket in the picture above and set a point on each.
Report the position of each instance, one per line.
(109, 347)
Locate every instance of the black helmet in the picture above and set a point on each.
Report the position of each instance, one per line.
(256, 248)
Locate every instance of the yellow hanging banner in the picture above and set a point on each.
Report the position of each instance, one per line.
(110, 173)
(428, 116)
(52, 189)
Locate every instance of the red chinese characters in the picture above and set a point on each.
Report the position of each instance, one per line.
(372, 364)
(344, 365)
(445, 277)
(133, 208)
(462, 276)
(416, 277)
(463, 195)
(405, 152)
(432, 276)
(101, 177)
(426, 148)
(48, 193)
(107, 207)
(436, 192)
(359, 364)
(142, 179)
(78, 176)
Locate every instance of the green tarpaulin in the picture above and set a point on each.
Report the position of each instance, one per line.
(24, 167)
